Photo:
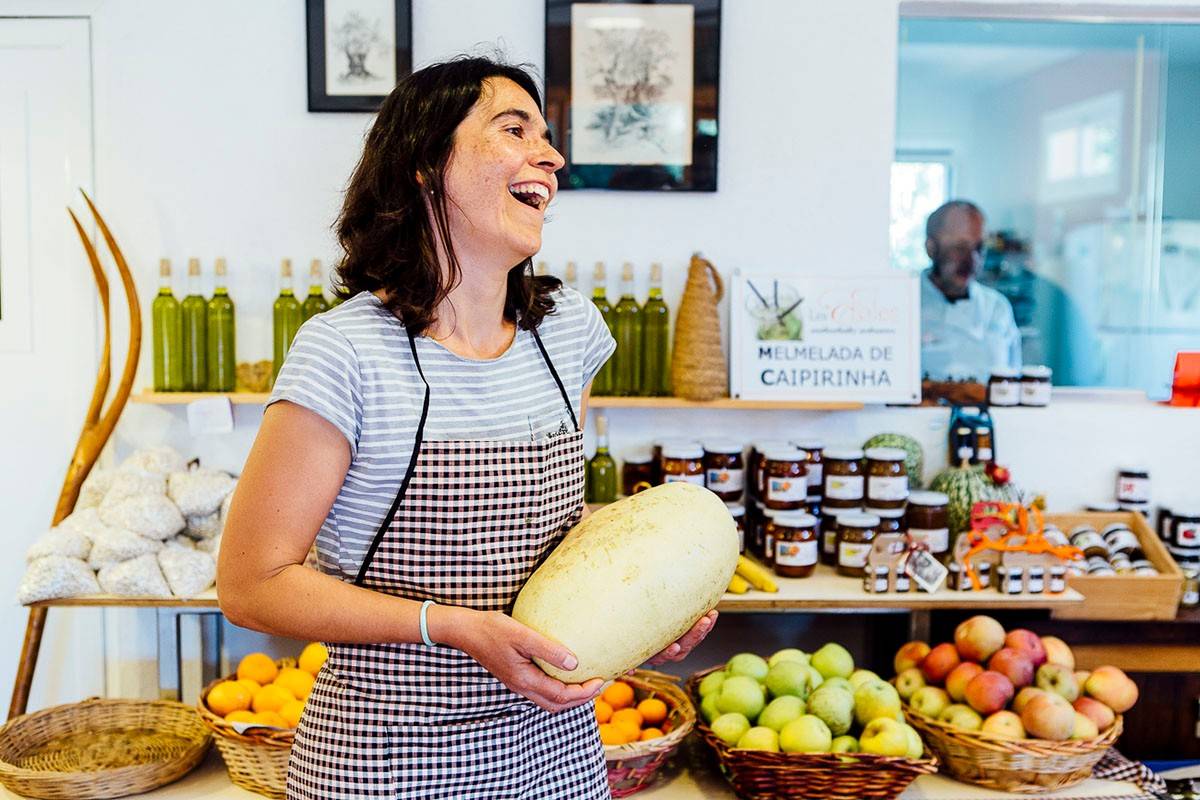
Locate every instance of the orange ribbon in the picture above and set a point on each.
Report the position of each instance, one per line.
(1016, 520)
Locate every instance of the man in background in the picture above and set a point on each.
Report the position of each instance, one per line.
(967, 329)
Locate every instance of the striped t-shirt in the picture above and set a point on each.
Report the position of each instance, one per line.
(352, 365)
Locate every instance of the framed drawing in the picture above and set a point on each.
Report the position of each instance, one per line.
(357, 51)
(631, 93)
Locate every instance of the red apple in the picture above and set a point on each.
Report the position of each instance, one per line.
(989, 692)
(1027, 642)
(978, 637)
(910, 655)
(1045, 718)
(1014, 665)
(939, 662)
(959, 677)
(1057, 652)
(1112, 687)
(1025, 695)
(1097, 712)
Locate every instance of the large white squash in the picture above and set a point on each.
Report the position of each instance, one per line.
(631, 578)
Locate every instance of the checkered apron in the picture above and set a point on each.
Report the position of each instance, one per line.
(470, 523)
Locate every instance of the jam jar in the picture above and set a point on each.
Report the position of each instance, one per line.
(1035, 386)
(724, 470)
(785, 479)
(1120, 539)
(656, 455)
(815, 449)
(929, 522)
(683, 461)
(829, 530)
(795, 536)
(1004, 387)
(738, 512)
(756, 463)
(891, 520)
(1133, 486)
(637, 472)
(844, 478)
(1090, 542)
(887, 477)
(1185, 530)
(856, 532)
(768, 535)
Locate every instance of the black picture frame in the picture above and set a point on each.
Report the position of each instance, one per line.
(698, 176)
(318, 98)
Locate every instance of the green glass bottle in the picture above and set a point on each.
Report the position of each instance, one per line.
(194, 311)
(315, 303)
(602, 384)
(627, 329)
(601, 469)
(167, 324)
(222, 347)
(286, 318)
(656, 334)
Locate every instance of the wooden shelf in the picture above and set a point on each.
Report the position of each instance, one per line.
(206, 599)
(183, 398)
(729, 403)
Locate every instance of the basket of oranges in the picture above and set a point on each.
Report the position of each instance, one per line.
(254, 714)
(643, 717)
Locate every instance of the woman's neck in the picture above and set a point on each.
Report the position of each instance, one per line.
(470, 321)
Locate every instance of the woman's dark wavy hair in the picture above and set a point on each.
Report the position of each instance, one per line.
(389, 240)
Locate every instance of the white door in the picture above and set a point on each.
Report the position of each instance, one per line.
(48, 327)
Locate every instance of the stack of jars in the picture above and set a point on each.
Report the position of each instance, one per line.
(1114, 550)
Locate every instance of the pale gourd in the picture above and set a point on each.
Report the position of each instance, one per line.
(631, 579)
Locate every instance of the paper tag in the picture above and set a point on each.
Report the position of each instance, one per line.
(210, 415)
(927, 571)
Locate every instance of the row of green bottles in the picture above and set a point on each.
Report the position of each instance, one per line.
(286, 317)
(221, 335)
(193, 342)
(601, 485)
(640, 366)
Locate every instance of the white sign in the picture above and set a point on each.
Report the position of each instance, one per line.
(795, 337)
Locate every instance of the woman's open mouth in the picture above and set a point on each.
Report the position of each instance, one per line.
(531, 193)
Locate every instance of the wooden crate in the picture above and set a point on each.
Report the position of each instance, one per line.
(1123, 597)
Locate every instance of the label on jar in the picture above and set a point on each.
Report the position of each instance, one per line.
(844, 487)
(1122, 539)
(1086, 540)
(796, 554)
(696, 479)
(1187, 534)
(890, 488)
(1133, 490)
(983, 454)
(1035, 393)
(726, 480)
(1004, 393)
(829, 541)
(938, 539)
(787, 490)
(853, 554)
(815, 471)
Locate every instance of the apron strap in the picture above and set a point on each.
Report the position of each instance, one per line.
(557, 380)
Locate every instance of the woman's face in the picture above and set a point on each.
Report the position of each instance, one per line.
(500, 178)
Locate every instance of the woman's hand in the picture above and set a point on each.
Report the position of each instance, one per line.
(506, 649)
(678, 650)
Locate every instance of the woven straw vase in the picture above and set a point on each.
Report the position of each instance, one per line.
(698, 367)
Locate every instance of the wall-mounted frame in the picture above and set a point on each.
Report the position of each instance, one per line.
(631, 93)
(357, 51)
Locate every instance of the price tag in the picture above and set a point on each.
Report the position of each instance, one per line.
(209, 416)
(926, 571)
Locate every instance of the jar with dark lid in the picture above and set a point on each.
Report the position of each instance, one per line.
(1121, 563)
(724, 470)
(856, 533)
(1120, 539)
(756, 521)
(768, 536)
(1133, 486)
(829, 530)
(1035, 385)
(891, 520)
(1004, 387)
(785, 479)
(814, 448)
(738, 512)
(795, 536)
(887, 477)
(1098, 567)
(844, 479)
(637, 472)
(1185, 529)
(683, 461)
(1090, 542)
(756, 463)
(656, 455)
(928, 522)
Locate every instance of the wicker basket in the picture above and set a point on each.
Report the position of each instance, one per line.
(1030, 766)
(257, 760)
(632, 767)
(759, 775)
(100, 748)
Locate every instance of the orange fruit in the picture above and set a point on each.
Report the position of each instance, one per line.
(613, 734)
(618, 695)
(312, 657)
(296, 681)
(650, 733)
(270, 718)
(227, 697)
(252, 686)
(271, 698)
(258, 667)
(628, 716)
(630, 731)
(653, 710)
(291, 712)
(603, 711)
(240, 716)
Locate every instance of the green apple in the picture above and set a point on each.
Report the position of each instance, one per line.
(884, 737)
(741, 694)
(961, 716)
(748, 664)
(807, 734)
(916, 748)
(708, 708)
(875, 699)
(840, 683)
(833, 660)
(759, 739)
(788, 678)
(780, 712)
(729, 728)
(712, 682)
(844, 744)
(788, 654)
(815, 678)
(835, 707)
(930, 701)
(861, 676)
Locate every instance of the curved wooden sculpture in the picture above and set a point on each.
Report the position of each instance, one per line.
(97, 426)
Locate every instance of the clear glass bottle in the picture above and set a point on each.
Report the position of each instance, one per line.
(627, 325)
(602, 384)
(286, 318)
(315, 303)
(601, 469)
(656, 335)
(167, 324)
(194, 311)
(222, 347)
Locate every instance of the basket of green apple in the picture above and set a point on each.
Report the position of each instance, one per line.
(796, 726)
(1007, 710)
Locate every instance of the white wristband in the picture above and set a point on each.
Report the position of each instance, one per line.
(425, 624)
